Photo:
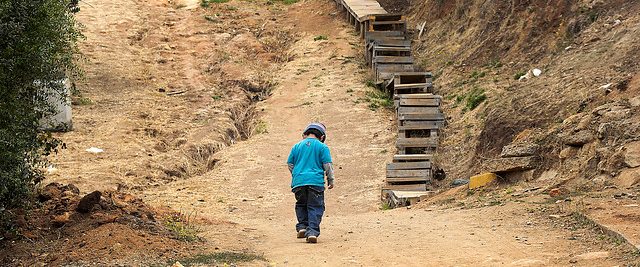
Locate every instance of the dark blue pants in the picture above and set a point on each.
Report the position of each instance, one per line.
(309, 208)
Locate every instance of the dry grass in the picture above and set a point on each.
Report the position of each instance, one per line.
(278, 43)
(244, 119)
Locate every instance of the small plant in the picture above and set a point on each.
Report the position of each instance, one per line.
(82, 101)
(205, 3)
(217, 258)
(378, 99)
(475, 75)
(474, 99)
(261, 127)
(370, 83)
(519, 74)
(216, 97)
(495, 63)
(320, 38)
(181, 225)
(289, 2)
(385, 206)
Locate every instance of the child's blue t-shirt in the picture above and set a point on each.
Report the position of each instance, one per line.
(307, 157)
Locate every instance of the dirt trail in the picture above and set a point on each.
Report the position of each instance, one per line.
(249, 186)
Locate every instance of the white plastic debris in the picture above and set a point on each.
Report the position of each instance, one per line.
(94, 150)
(51, 169)
(536, 72)
(616, 22)
(606, 87)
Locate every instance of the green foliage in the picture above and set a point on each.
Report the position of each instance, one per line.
(37, 51)
(182, 227)
(261, 127)
(378, 99)
(519, 74)
(471, 99)
(320, 38)
(475, 75)
(495, 63)
(220, 258)
(474, 98)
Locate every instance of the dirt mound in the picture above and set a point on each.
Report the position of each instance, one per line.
(102, 227)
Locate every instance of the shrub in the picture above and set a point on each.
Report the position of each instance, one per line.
(37, 49)
(474, 98)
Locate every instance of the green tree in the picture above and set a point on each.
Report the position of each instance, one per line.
(37, 49)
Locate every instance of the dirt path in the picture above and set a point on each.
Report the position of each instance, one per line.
(249, 187)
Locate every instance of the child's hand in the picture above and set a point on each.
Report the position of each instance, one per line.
(330, 186)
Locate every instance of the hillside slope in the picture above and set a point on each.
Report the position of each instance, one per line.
(588, 52)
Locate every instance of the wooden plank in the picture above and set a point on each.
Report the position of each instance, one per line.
(412, 157)
(422, 102)
(407, 179)
(390, 42)
(417, 142)
(386, 17)
(398, 22)
(392, 48)
(419, 96)
(393, 60)
(426, 74)
(421, 117)
(409, 165)
(411, 85)
(423, 173)
(382, 34)
(420, 125)
(406, 187)
(418, 110)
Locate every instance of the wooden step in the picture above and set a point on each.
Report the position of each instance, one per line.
(389, 42)
(369, 35)
(392, 60)
(421, 125)
(412, 157)
(421, 117)
(419, 96)
(397, 86)
(424, 173)
(420, 102)
(386, 17)
(392, 48)
(388, 22)
(409, 165)
(418, 110)
(392, 180)
(406, 187)
(416, 142)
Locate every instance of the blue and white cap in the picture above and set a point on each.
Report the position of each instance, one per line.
(318, 126)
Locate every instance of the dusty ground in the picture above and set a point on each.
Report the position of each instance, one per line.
(135, 49)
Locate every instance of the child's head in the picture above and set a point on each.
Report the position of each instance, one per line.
(318, 130)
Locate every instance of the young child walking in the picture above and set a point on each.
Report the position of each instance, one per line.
(309, 162)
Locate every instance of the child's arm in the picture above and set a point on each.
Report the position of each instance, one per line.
(328, 170)
(290, 167)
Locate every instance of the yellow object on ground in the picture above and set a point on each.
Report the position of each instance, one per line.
(481, 180)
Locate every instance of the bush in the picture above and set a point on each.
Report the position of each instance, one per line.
(474, 98)
(37, 49)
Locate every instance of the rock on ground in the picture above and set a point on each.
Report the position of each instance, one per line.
(519, 150)
(87, 202)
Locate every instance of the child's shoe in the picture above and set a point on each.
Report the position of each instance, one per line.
(301, 233)
(312, 239)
